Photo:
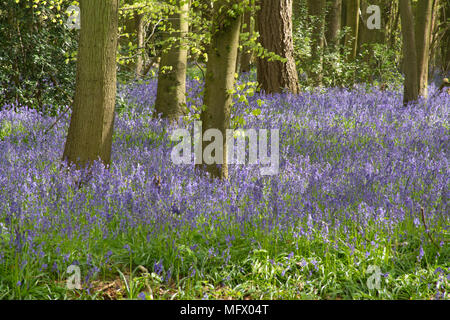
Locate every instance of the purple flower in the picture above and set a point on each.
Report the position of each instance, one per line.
(421, 253)
(158, 267)
(347, 158)
(142, 296)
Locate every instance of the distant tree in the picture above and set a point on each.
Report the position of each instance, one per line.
(352, 22)
(275, 28)
(171, 92)
(92, 120)
(333, 21)
(411, 86)
(445, 43)
(423, 41)
(316, 11)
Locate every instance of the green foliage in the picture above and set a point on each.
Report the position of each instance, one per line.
(381, 65)
(37, 60)
(375, 63)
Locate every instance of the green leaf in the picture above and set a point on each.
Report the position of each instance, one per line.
(256, 112)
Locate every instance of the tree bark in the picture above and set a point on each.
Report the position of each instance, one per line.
(316, 11)
(411, 86)
(333, 21)
(423, 38)
(352, 21)
(92, 120)
(434, 34)
(275, 28)
(171, 92)
(219, 80)
(140, 34)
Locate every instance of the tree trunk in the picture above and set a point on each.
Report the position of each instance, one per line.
(246, 55)
(219, 80)
(422, 38)
(140, 34)
(171, 92)
(445, 44)
(316, 11)
(411, 86)
(394, 23)
(275, 28)
(352, 21)
(434, 34)
(333, 21)
(92, 120)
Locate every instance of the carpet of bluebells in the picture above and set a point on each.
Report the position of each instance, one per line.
(359, 209)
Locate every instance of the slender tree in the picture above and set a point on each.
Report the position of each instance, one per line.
(423, 40)
(316, 11)
(171, 92)
(275, 28)
(220, 71)
(140, 35)
(91, 125)
(445, 43)
(352, 21)
(333, 21)
(411, 86)
(434, 33)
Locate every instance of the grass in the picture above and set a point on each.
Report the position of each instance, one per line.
(235, 264)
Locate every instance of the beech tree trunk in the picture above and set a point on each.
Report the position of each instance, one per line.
(352, 21)
(219, 80)
(423, 38)
(411, 86)
(275, 28)
(170, 97)
(333, 21)
(91, 125)
(316, 11)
